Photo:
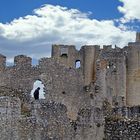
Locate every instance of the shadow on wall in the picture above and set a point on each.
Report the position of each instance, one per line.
(37, 84)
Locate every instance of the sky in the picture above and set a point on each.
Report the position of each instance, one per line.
(30, 27)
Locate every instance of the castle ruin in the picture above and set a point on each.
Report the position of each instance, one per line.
(96, 100)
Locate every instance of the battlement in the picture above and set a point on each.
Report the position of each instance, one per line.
(22, 60)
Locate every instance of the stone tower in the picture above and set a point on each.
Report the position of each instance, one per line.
(133, 72)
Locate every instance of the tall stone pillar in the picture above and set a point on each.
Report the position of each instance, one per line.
(89, 64)
(133, 72)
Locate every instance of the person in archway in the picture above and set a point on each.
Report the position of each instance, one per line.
(36, 93)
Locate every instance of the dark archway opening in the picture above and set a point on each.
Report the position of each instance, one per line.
(37, 84)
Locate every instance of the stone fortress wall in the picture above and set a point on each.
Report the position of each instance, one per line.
(78, 101)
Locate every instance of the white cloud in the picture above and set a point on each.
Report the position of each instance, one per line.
(130, 9)
(34, 34)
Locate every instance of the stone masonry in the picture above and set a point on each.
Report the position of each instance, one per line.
(98, 100)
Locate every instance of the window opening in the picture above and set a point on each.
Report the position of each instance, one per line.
(78, 64)
(64, 52)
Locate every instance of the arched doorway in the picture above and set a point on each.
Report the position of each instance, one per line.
(37, 84)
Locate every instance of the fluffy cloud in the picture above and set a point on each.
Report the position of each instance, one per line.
(130, 9)
(34, 34)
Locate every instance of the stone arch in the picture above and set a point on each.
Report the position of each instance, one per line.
(46, 80)
(38, 83)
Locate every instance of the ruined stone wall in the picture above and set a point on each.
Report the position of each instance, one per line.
(89, 124)
(122, 123)
(66, 55)
(122, 129)
(21, 76)
(116, 75)
(119, 73)
(48, 120)
(64, 85)
(111, 75)
(75, 98)
(9, 115)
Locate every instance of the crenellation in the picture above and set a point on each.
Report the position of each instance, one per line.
(107, 47)
(22, 61)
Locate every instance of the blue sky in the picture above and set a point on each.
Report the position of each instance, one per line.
(30, 27)
(101, 9)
